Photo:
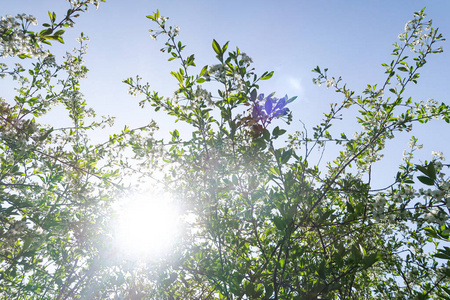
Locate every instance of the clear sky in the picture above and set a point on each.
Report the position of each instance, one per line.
(350, 37)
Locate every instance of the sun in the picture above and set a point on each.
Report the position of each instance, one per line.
(147, 226)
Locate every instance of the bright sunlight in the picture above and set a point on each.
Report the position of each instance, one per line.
(147, 226)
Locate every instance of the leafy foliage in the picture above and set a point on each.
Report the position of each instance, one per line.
(263, 220)
(55, 184)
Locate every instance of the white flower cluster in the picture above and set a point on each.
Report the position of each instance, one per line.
(408, 154)
(172, 32)
(25, 18)
(433, 216)
(413, 145)
(80, 39)
(15, 39)
(73, 64)
(330, 82)
(135, 88)
(438, 155)
(435, 200)
(433, 194)
(94, 2)
(381, 203)
(368, 160)
(442, 193)
(420, 33)
(76, 3)
(403, 118)
(404, 192)
(202, 94)
(379, 207)
(50, 61)
(218, 72)
(240, 83)
(373, 122)
(10, 237)
(428, 109)
(222, 73)
(15, 131)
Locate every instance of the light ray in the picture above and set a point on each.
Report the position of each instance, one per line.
(147, 226)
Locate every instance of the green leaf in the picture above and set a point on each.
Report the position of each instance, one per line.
(269, 290)
(431, 171)
(177, 76)
(428, 170)
(45, 135)
(325, 216)
(46, 32)
(27, 243)
(321, 270)
(279, 222)
(350, 207)
(371, 259)
(426, 180)
(224, 48)
(267, 76)
(356, 253)
(274, 171)
(316, 70)
(52, 16)
(216, 47)
(286, 156)
(442, 255)
(15, 169)
(249, 289)
(204, 71)
(59, 32)
(422, 169)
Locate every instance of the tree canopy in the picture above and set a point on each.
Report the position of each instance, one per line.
(263, 216)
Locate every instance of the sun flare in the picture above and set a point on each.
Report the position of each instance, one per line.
(147, 226)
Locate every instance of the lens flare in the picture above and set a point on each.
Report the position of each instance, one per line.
(147, 226)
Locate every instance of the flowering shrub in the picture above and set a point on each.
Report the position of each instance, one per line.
(54, 182)
(262, 220)
(273, 225)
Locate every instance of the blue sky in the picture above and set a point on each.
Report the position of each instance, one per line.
(351, 38)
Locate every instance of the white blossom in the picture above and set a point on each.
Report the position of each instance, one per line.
(17, 41)
(330, 82)
(438, 155)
